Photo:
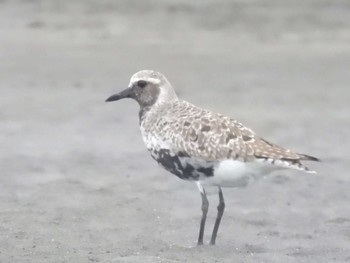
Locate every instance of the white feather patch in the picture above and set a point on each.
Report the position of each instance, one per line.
(232, 173)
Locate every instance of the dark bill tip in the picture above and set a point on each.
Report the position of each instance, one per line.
(113, 98)
(127, 93)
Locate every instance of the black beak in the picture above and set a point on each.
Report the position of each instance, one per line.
(121, 95)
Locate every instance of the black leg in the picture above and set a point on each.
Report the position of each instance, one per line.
(221, 208)
(205, 206)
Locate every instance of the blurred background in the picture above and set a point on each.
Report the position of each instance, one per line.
(76, 182)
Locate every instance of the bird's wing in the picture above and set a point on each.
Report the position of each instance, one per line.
(209, 136)
(206, 135)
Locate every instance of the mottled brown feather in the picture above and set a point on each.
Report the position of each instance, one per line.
(210, 136)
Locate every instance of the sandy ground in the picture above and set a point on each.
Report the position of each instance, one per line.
(76, 182)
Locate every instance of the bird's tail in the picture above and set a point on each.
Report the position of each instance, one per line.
(296, 163)
(305, 157)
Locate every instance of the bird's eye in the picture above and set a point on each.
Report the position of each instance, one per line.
(141, 83)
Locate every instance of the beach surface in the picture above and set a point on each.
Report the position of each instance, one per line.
(76, 181)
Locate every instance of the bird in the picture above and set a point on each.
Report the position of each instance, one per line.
(201, 146)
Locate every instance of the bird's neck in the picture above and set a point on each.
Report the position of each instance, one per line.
(142, 113)
(151, 112)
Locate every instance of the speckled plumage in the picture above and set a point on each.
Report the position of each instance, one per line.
(199, 145)
(209, 137)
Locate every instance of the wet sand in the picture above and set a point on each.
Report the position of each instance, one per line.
(76, 182)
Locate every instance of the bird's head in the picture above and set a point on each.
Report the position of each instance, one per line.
(147, 87)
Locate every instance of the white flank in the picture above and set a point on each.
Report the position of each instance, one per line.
(231, 173)
(311, 172)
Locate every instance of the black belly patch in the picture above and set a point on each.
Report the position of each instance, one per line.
(209, 171)
(184, 169)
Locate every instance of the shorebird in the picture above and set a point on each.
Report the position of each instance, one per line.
(201, 146)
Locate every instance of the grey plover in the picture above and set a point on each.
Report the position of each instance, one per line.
(202, 146)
